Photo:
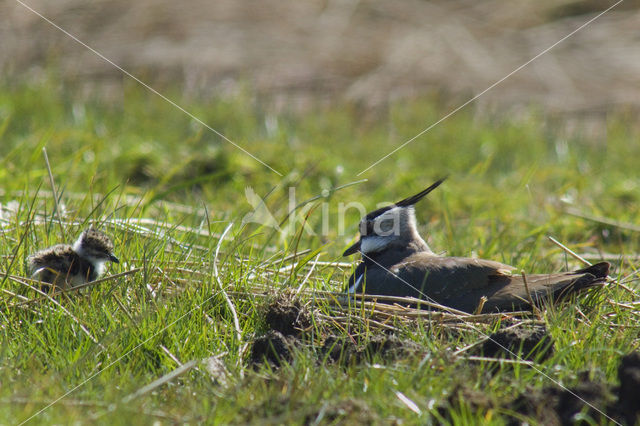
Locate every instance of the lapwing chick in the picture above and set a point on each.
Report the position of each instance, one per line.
(66, 266)
(396, 261)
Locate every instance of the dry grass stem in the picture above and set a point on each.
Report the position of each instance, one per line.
(56, 203)
(216, 275)
(603, 220)
(569, 251)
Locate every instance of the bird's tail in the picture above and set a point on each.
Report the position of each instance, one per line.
(599, 270)
(592, 276)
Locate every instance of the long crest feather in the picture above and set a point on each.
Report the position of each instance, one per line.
(407, 202)
(410, 201)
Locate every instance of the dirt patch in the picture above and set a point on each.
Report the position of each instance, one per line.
(629, 390)
(288, 322)
(338, 349)
(588, 398)
(272, 347)
(389, 347)
(526, 343)
(462, 395)
(287, 316)
(602, 402)
(276, 348)
(553, 405)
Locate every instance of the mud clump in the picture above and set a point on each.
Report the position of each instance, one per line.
(272, 347)
(346, 351)
(338, 349)
(287, 317)
(530, 344)
(286, 321)
(390, 347)
(553, 405)
(629, 389)
(602, 402)
(276, 348)
(461, 395)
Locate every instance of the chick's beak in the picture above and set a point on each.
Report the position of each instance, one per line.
(353, 249)
(113, 258)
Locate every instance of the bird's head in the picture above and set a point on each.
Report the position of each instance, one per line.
(392, 226)
(96, 247)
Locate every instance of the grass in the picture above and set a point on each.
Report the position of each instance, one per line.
(166, 190)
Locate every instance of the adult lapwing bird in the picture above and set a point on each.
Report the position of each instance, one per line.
(66, 266)
(396, 261)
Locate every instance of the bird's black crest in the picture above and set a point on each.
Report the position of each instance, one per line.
(409, 201)
(415, 198)
(97, 240)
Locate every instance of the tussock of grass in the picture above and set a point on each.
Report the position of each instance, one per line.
(168, 333)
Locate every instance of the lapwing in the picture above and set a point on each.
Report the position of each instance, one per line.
(65, 266)
(396, 261)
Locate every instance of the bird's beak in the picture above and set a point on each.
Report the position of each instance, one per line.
(353, 249)
(113, 258)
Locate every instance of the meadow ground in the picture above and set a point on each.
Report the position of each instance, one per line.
(184, 328)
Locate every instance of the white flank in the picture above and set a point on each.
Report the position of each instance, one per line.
(353, 288)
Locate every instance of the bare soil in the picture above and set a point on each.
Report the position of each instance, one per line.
(389, 347)
(533, 343)
(272, 347)
(552, 404)
(287, 323)
(287, 316)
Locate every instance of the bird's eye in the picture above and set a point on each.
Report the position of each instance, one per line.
(369, 228)
(366, 227)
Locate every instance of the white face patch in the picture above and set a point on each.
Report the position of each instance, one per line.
(99, 265)
(77, 246)
(388, 223)
(374, 243)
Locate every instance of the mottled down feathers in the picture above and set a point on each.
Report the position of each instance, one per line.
(67, 266)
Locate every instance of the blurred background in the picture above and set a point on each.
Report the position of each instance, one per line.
(370, 52)
(320, 91)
